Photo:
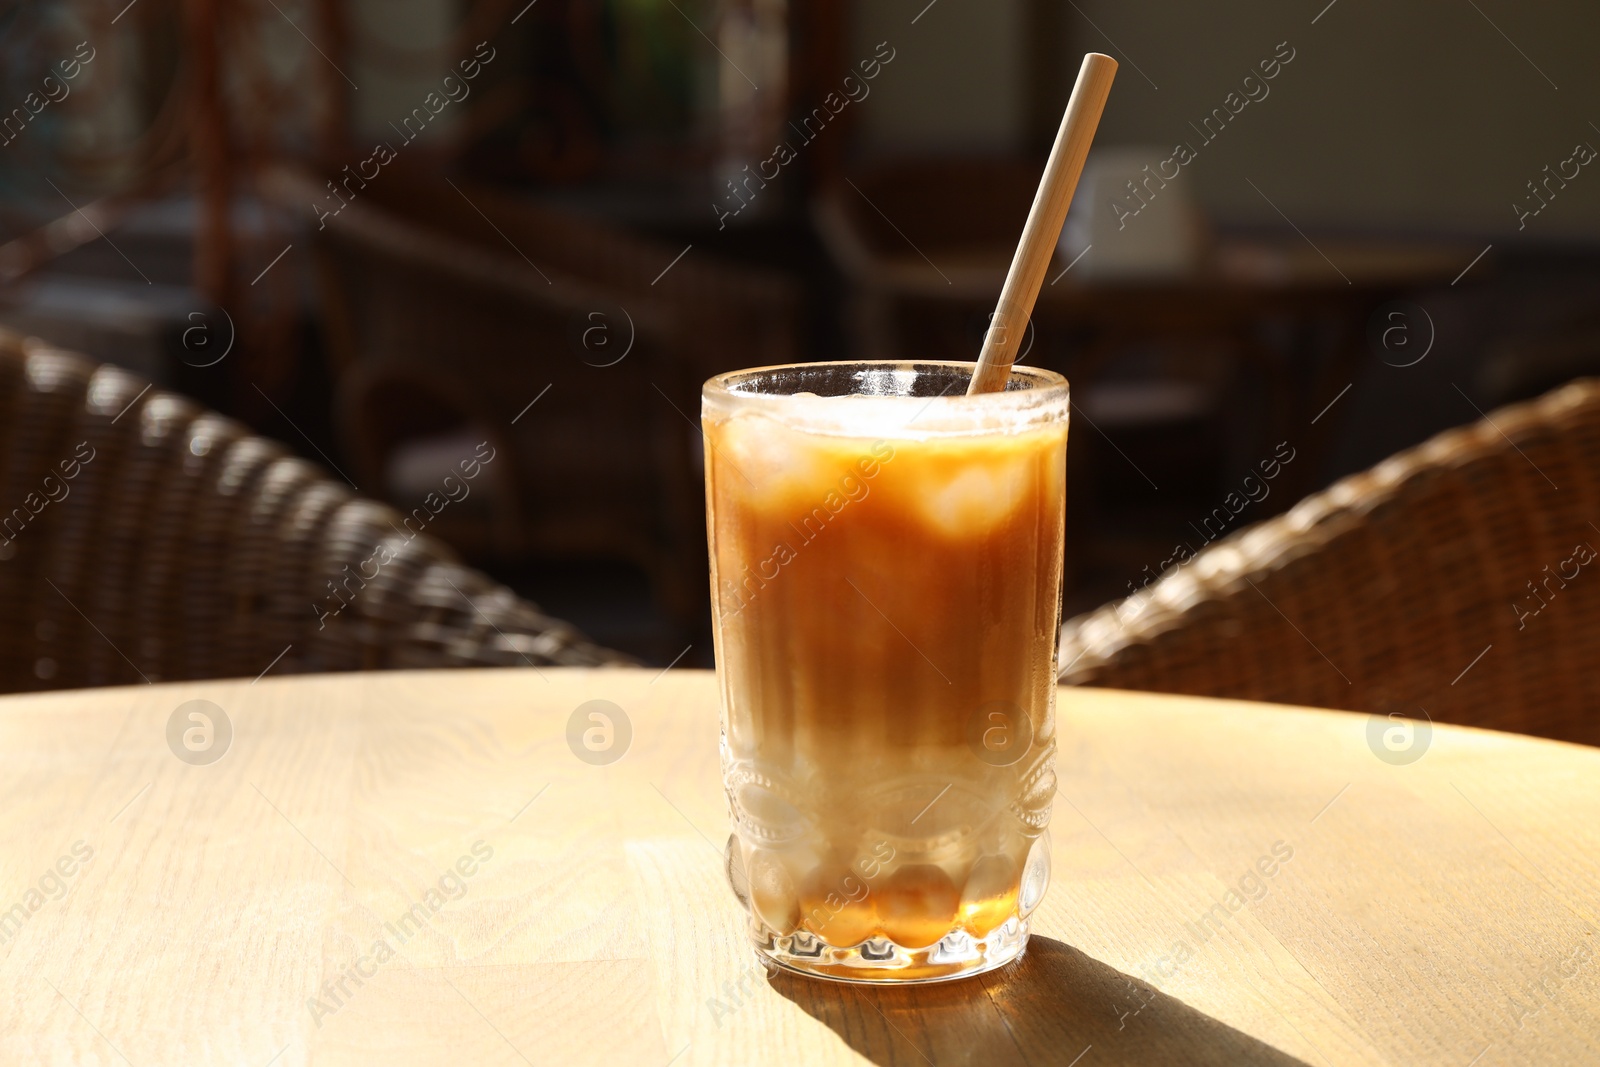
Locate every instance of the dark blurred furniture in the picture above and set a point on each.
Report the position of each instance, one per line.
(1449, 580)
(451, 307)
(1175, 377)
(144, 538)
(926, 244)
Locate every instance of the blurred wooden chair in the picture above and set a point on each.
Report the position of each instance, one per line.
(1455, 579)
(143, 538)
(452, 306)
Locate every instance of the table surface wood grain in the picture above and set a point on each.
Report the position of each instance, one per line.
(414, 868)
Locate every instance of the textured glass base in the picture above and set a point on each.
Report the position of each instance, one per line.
(879, 961)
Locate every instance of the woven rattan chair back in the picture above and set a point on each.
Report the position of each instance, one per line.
(143, 538)
(1454, 580)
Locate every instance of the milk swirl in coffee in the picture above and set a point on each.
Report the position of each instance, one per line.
(887, 597)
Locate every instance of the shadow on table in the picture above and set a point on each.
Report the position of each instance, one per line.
(1047, 1008)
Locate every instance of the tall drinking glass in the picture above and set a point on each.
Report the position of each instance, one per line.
(886, 586)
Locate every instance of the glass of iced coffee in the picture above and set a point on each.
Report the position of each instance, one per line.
(886, 561)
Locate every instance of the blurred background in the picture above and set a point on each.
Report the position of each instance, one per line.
(390, 233)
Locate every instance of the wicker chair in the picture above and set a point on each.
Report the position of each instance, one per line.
(144, 538)
(1453, 577)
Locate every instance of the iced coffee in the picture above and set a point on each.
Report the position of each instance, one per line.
(886, 561)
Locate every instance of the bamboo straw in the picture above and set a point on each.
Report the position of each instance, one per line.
(1043, 228)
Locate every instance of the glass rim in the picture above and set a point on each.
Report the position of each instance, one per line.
(1032, 396)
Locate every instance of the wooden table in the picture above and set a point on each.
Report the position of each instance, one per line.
(415, 868)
